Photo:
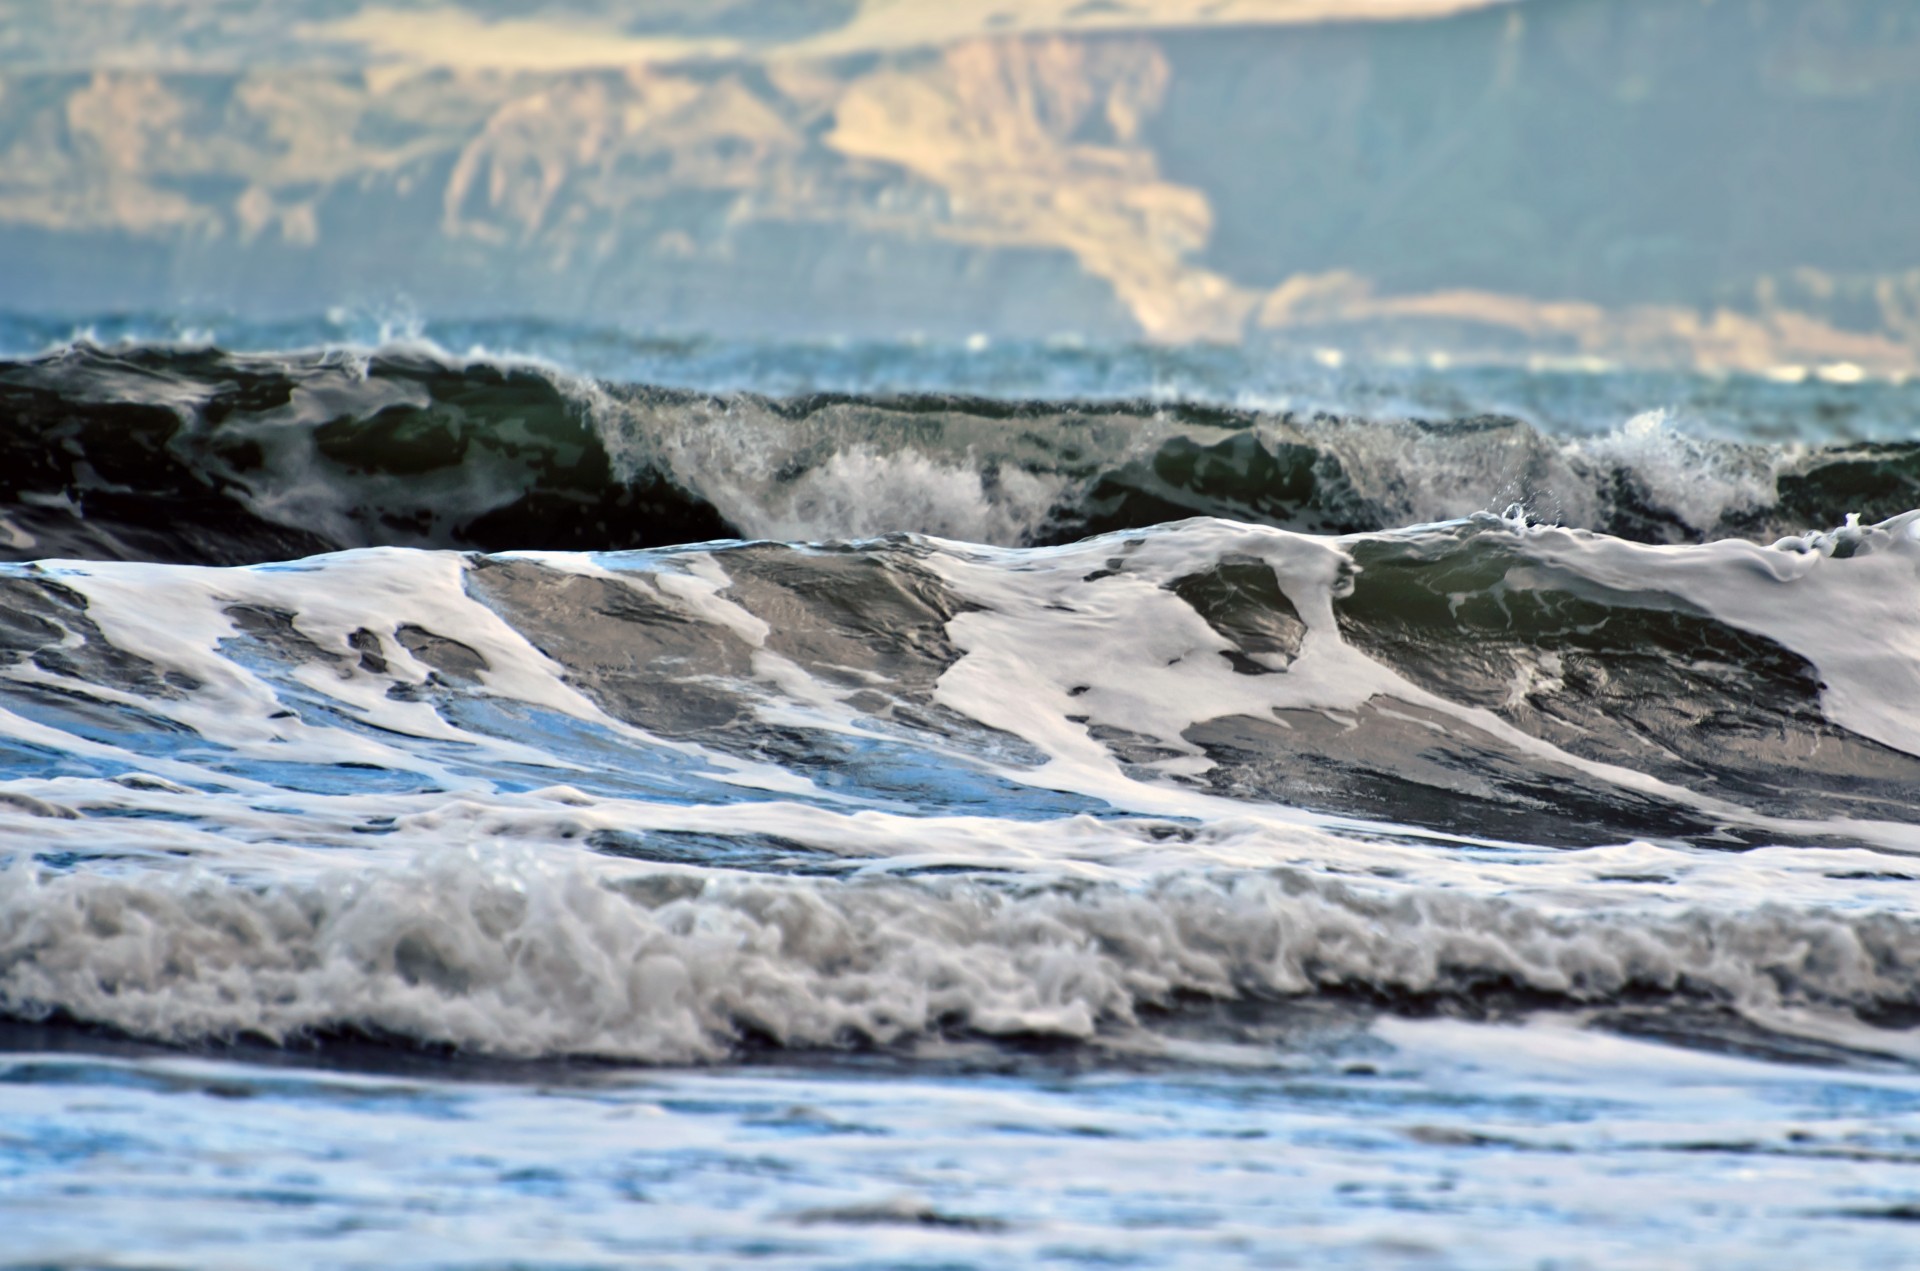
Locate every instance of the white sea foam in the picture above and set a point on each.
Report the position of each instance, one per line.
(1055, 644)
(861, 492)
(1091, 635)
(507, 953)
(855, 471)
(1696, 479)
(466, 912)
(1855, 617)
(177, 617)
(807, 480)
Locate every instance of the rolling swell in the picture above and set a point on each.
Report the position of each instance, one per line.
(196, 456)
(200, 456)
(673, 804)
(1480, 679)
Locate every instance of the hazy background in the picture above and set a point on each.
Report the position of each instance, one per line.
(1714, 183)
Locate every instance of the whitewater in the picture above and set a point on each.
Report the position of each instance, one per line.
(626, 804)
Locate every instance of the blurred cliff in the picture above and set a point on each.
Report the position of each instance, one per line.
(1725, 183)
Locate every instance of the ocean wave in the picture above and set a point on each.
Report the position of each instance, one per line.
(189, 454)
(509, 955)
(690, 801)
(1484, 678)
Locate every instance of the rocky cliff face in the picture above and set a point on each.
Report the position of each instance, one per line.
(1730, 184)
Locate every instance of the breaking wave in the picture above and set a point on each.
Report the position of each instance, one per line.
(510, 956)
(675, 804)
(195, 455)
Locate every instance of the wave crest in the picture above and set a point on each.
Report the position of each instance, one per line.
(194, 455)
(511, 956)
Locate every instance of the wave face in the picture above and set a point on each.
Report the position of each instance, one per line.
(192, 455)
(690, 803)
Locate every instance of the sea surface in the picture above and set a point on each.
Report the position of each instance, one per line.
(506, 795)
